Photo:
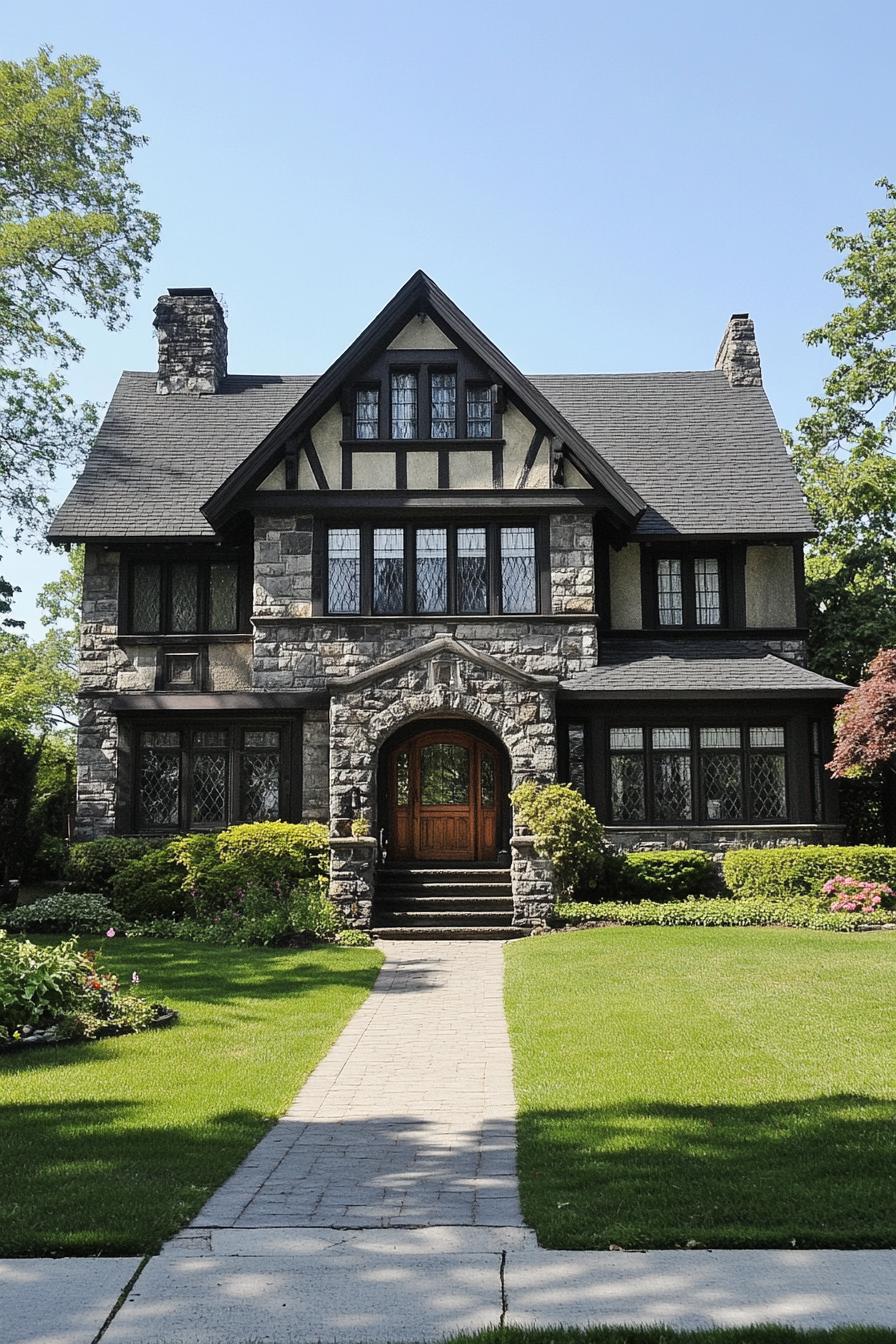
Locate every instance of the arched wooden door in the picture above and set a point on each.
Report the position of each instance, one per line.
(443, 798)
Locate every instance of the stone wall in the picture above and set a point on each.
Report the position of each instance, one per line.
(100, 659)
(716, 839)
(572, 563)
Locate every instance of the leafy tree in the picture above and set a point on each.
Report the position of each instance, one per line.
(865, 747)
(844, 453)
(74, 243)
(39, 679)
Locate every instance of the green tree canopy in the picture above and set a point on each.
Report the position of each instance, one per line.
(843, 451)
(74, 243)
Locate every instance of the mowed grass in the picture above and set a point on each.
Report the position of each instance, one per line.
(110, 1147)
(661, 1334)
(731, 1087)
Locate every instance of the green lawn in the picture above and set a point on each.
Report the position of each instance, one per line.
(734, 1087)
(647, 1334)
(110, 1147)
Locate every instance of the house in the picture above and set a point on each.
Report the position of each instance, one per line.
(385, 595)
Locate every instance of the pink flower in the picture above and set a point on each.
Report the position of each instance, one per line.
(135, 979)
(110, 933)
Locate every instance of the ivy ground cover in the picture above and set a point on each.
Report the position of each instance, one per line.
(727, 1087)
(110, 1147)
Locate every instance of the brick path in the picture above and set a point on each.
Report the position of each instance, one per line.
(408, 1121)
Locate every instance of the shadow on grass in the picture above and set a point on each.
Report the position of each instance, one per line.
(810, 1172)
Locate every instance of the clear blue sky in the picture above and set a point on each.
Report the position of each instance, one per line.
(599, 185)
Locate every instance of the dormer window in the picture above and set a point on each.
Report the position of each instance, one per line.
(443, 406)
(367, 413)
(479, 412)
(404, 405)
(689, 591)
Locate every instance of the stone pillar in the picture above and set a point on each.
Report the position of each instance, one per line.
(532, 882)
(352, 862)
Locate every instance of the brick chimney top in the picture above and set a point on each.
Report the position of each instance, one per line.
(192, 334)
(738, 354)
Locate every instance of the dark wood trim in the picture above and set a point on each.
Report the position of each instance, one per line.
(529, 460)
(498, 468)
(602, 587)
(737, 586)
(126, 704)
(799, 584)
(291, 466)
(750, 634)
(422, 501)
(421, 445)
(203, 557)
(314, 463)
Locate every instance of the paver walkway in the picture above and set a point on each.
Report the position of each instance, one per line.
(408, 1121)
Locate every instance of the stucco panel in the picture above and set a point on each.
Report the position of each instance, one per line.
(326, 435)
(470, 470)
(422, 334)
(771, 598)
(625, 588)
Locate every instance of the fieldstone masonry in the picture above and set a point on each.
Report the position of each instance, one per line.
(192, 336)
(100, 659)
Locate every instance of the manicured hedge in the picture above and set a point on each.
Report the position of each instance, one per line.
(798, 913)
(666, 875)
(785, 873)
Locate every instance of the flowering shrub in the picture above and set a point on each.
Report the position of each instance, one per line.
(62, 994)
(778, 874)
(718, 912)
(853, 896)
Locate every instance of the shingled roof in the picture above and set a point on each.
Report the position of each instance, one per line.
(706, 457)
(710, 669)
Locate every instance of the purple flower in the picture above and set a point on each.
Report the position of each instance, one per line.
(135, 979)
(110, 933)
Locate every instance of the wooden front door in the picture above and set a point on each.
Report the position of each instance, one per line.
(443, 798)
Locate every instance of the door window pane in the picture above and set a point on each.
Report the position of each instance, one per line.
(344, 570)
(367, 413)
(388, 571)
(472, 571)
(518, 569)
(487, 780)
(184, 597)
(443, 416)
(402, 780)
(146, 604)
(223, 584)
(404, 405)
(671, 774)
(444, 774)
(479, 412)
(432, 569)
(668, 586)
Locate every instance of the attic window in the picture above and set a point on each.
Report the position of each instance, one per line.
(479, 412)
(367, 413)
(404, 405)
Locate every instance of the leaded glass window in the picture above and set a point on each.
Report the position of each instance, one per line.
(472, 571)
(768, 774)
(432, 569)
(518, 575)
(479, 412)
(344, 570)
(444, 774)
(575, 742)
(707, 591)
(260, 775)
(404, 405)
(159, 780)
(210, 788)
(367, 413)
(388, 571)
(443, 409)
(817, 771)
(184, 597)
(146, 598)
(668, 589)
(223, 591)
(627, 776)
(721, 768)
(671, 774)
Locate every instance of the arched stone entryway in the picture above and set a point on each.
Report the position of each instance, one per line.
(444, 680)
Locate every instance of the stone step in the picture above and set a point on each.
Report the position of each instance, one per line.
(431, 918)
(458, 876)
(460, 932)
(464, 900)
(411, 890)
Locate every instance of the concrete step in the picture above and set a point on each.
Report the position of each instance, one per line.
(432, 918)
(460, 932)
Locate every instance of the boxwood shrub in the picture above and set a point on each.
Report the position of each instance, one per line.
(799, 912)
(785, 873)
(259, 854)
(667, 875)
(92, 864)
(150, 887)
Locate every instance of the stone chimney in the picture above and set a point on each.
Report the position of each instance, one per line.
(192, 342)
(738, 355)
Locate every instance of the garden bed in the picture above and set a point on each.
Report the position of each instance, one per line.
(165, 1017)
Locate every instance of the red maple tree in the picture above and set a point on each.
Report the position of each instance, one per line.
(865, 724)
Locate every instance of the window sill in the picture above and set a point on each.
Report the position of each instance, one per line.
(186, 641)
(567, 618)
(385, 445)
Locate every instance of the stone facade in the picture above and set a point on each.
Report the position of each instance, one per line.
(192, 336)
(100, 661)
(738, 354)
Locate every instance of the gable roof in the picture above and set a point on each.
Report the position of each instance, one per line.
(421, 294)
(709, 669)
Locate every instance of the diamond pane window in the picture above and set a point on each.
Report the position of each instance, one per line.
(668, 589)
(472, 571)
(432, 569)
(404, 405)
(260, 779)
(707, 592)
(479, 412)
(518, 570)
(146, 602)
(344, 570)
(443, 411)
(671, 774)
(817, 772)
(722, 785)
(223, 587)
(209, 788)
(627, 787)
(159, 780)
(768, 774)
(367, 413)
(388, 571)
(184, 597)
(575, 738)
